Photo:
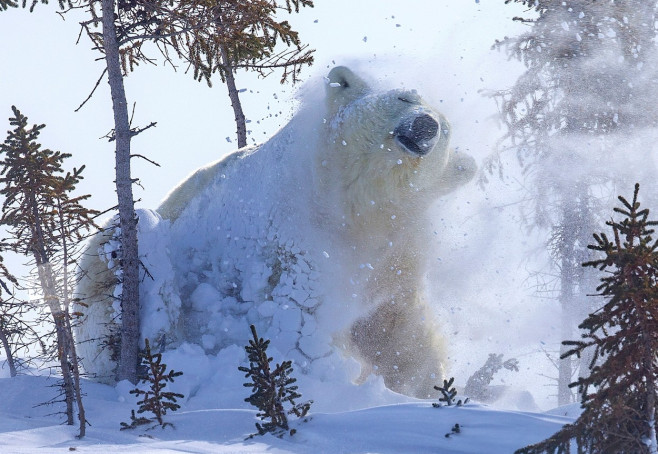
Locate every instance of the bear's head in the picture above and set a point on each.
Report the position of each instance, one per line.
(391, 150)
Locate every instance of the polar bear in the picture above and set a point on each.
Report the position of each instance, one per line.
(318, 237)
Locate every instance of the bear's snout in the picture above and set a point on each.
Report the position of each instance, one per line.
(416, 134)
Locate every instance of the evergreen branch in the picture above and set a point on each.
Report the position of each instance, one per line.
(271, 389)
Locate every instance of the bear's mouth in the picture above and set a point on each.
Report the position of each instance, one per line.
(411, 146)
(417, 133)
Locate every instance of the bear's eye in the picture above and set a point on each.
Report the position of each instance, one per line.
(405, 100)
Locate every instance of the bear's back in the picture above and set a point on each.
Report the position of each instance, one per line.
(240, 230)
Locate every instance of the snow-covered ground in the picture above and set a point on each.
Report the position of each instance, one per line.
(404, 427)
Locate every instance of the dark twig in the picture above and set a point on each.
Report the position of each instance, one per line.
(93, 90)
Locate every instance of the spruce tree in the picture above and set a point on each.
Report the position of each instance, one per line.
(6, 316)
(619, 394)
(154, 400)
(16, 330)
(118, 51)
(589, 74)
(271, 389)
(44, 221)
(478, 385)
(448, 394)
(244, 35)
(213, 37)
(216, 37)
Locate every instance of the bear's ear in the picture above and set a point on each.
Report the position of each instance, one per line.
(343, 87)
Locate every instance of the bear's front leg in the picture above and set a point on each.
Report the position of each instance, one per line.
(398, 341)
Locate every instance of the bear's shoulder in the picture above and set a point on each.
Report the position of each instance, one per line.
(179, 198)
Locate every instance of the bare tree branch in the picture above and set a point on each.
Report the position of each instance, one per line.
(93, 90)
(134, 155)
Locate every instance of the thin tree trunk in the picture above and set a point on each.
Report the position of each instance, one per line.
(75, 367)
(650, 377)
(8, 353)
(47, 282)
(240, 119)
(564, 395)
(586, 279)
(567, 286)
(130, 324)
(651, 408)
(575, 281)
(589, 280)
(65, 365)
(651, 442)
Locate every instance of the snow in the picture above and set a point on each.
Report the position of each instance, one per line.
(246, 247)
(203, 426)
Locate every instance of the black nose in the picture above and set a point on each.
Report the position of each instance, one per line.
(415, 135)
(423, 128)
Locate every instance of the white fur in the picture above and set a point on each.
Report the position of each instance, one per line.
(317, 237)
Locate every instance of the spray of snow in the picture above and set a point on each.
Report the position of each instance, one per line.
(475, 239)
